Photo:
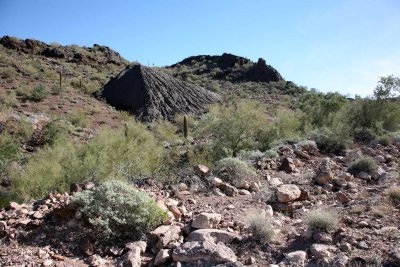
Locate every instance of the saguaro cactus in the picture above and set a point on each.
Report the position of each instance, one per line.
(185, 127)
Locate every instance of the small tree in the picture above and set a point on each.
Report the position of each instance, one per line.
(234, 126)
(387, 87)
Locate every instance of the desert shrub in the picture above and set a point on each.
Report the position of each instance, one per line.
(324, 220)
(164, 130)
(79, 118)
(394, 194)
(319, 107)
(8, 72)
(52, 168)
(251, 155)
(362, 164)
(384, 140)
(234, 127)
(9, 150)
(260, 226)
(54, 130)
(233, 170)
(270, 153)
(308, 145)
(266, 195)
(130, 154)
(38, 93)
(56, 90)
(200, 154)
(8, 99)
(21, 130)
(118, 211)
(126, 153)
(327, 142)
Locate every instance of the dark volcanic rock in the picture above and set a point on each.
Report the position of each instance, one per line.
(261, 72)
(150, 94)
(234, 68)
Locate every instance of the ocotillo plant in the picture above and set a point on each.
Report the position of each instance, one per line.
(185, 127)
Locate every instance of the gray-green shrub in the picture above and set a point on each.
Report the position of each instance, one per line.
(324, 220)
(260, 226)
(234, 170)
(117, 210)
(362, 164)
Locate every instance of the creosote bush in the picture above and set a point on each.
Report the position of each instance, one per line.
(118, 211)
(234, 170)
(363, 164)
(324, 220)
(38, 93)
(260, 226)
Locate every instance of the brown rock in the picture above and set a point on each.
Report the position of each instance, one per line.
(342, 197)
(287, 165)
(163, 256)
(163, 235)
(142, 245)
(324, 174)
(287, 193)
(86, 247)
(206, 220)
(14, 206)
(201, 170)
(229, 190)
(130, 259)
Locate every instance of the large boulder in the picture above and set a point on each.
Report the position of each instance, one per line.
(163, 235)
(205, 251)
(288, 193)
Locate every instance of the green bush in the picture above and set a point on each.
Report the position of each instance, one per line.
(79, 118)
(56, 89)
(54, 130)
(260, 226)
(234, 127)
(233, 170)
(164, 131)
(271, 154)
(111, 154)
(363, 164)
(8, 99)
(324, 220)
(38, 93)
(118, 211)
(384, 140)
(9, 151)
(329, 143)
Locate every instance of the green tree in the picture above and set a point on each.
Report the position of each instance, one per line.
(387, 87)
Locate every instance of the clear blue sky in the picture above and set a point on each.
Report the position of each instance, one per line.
(331, 45)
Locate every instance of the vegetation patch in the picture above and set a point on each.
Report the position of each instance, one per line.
(117, 210)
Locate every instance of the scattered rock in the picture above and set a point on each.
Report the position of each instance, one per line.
(206, 220)
(163, 235)
(86, 247)
(212, 235)
(130, 259)
(287, 193)
(229, 190)
(363, 245)
(163, 256)
(342, 197)
(324, 174)
(287, 165)
(205, 251)
(296, 258)
(319, 251)
(201, 170)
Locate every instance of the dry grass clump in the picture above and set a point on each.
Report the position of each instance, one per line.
(324, 220)
(260, 226)
(394, 194)
(358, 209)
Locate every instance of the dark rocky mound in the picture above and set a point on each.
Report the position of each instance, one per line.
(231, 67)
(71, 53)
(151, 95)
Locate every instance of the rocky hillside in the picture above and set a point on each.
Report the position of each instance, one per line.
(318, 214)
(151, 95)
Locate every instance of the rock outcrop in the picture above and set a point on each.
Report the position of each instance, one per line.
(151, 95)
